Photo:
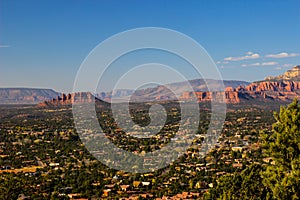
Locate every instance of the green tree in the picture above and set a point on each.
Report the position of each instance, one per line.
(277, 180)
(283, 146)
(244, 185)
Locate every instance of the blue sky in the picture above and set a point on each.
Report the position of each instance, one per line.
(43, 43)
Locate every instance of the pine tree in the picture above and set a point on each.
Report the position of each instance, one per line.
(279, 179)
(283, 146)
(244, 185)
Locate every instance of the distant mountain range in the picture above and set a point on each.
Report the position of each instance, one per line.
(278, 88)
(26, 95)
(166, 91)
(35, 96)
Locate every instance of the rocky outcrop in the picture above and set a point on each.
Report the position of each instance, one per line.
(291, 75)
(69, 99)
(230, 96)
(283, 90)
(274, 86)
(283, 87)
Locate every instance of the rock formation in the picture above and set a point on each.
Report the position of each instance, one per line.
(68, 99)
(292, 75)
(282, 88)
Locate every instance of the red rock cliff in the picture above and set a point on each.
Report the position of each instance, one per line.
(68, 99)
(281, 90)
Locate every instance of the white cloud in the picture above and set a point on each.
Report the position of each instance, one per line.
(222, 62)
(227, 67)
(250, 65)
(249, 53)
(255, 64)
(278, 68)
(4, 46)
(259, 64)
(287, 65)
(246, 57)
(269, 63)
(282, 55)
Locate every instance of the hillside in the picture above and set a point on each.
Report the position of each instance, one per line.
(290, 75)
(25, 95)
(166, 92)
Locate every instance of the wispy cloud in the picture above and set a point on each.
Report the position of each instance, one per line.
(269, 63)
(282, 55)
(226, 67)
(259, 64)
(4, 46)
(222, 62)
(287, 65)
(262, 60)
(249, 55)
(250, 65)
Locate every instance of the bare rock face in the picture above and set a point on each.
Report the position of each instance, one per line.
(274, 86)
(232, 97)
(283, 90)
(69, 99)
(283, 87)
(292, 75)
(230, 94)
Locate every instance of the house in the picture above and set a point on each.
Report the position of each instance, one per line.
(23, 197)
(237, 149)
(200, 184)
(54, 164)
(96, 184)
(124, 187)
(74, 196)
(237, 165)
(136, 183)
(106, 192)
(146, 183)
(268, 160)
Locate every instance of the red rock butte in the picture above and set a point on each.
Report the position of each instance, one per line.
(283, 90)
